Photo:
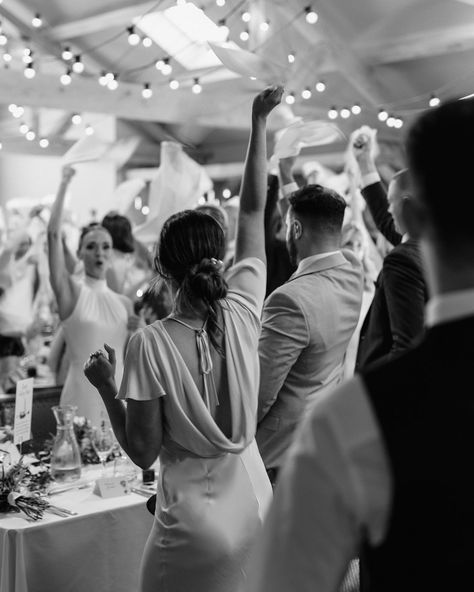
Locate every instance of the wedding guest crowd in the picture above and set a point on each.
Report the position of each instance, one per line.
(303, 342)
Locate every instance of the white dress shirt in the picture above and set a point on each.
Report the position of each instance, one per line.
(335, 484)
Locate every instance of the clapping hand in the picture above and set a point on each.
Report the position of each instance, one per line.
(100, 368)
(266, 101)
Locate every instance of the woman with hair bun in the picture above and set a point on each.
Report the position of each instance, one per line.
(191, 386)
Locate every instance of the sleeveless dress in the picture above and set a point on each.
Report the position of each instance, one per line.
(99, 316)
(213, 491)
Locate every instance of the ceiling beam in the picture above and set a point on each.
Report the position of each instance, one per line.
(425, 44)
(166, 106)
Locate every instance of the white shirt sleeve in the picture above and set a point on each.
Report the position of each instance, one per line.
(335, 484)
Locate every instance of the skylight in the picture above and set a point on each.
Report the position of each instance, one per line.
(183, 32)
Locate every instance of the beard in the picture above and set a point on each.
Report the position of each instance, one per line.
(291, 248)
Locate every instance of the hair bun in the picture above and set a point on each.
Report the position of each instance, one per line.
(206, 281)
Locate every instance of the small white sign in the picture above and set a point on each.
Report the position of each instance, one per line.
(23, 410)
(111, 486)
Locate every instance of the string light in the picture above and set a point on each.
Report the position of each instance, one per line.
(398, 122)
(147, 42)
(147, 93)
(133, 36)
(112, 83)
(246, 16)
(291, 58)
(24, 128)
(356, 109)
(37, 21)
(311, 16)
(265, 26)
(138, 203)
(320, 86)
(332, 113)
(30, 135)
(290, 98)
(29, 71)
(18, 112)
(66, 78)
(103, 78)
(1, 145)
(174, 84)
(226, 193)
(27, 55)
(67, 54)
(244, 35)
(89, 130)
(145, 210)
(196, 88)
(306, 93)
(7, 58)
(345, 113)
(166, 69)
(390, 121)
(434, 101)
(3, 38)
(44, 142)
(78, 66)
(76, 119)
(159, 64)
(12, 107)
(220, 3)
(382, 115)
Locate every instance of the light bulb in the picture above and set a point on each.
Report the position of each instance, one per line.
(67, 54)
(138, 203)
(226, 193)
(244, 35)
(7, 58)
(290, 98)
(264, 26)
(12, 107)
(89, 130)
(311, 16)
(1, 145)
(220, 3)
(44, 142)
(398, 123)
(345, 112)
(223, 28)
(196, 88)
(246, 16)
(24, 128)
(332, 113)
(390, 121)
(76, 119)
(18, 112)
(36, 21)
(159, 64)
(382, 115)
(434, 101)
(145, 210)
(29, 71)
(113, 83)
(78, 66)
(166, 69)
(291, 58)
(356, 109)
(174, 84)
(27, 58)
(30, 135)
(147, 93)
(306, 94)
(147, 42)
(66, 78)
(103, 79)
(3, 39)
(133, 37)
(320, 86)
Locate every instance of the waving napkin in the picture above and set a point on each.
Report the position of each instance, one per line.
(90, 148)
(249, 64)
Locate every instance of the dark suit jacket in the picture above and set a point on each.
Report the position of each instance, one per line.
(375, 196)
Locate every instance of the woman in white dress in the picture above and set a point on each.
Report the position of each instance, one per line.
(89, 311)
(191, 386)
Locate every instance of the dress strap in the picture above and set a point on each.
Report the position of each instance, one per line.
(205, 362)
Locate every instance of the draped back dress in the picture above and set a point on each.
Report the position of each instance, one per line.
(213, 490)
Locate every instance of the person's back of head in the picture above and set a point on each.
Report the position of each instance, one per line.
(188, 254)
(440, 152)
(320, 207)
(120, 230)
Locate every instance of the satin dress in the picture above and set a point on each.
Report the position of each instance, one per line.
(213, 491)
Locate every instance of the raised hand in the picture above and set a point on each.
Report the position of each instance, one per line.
(68, 173)
(363, 146)
(99, 368)
(266, 101)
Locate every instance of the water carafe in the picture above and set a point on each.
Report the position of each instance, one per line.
(65, 455)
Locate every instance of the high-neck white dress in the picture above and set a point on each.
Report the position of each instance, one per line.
(100, 316)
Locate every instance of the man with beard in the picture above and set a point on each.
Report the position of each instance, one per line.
(307, 322)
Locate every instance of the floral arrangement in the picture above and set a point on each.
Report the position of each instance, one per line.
(21, 488)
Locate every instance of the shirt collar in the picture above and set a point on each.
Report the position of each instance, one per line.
(307, 261)
(449, 307)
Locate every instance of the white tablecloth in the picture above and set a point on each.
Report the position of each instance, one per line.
(97, 551)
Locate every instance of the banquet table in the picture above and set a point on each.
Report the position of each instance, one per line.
(99, 550)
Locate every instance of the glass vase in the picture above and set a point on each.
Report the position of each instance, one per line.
(65, 455)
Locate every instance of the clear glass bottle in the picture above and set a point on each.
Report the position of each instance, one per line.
(65, 455)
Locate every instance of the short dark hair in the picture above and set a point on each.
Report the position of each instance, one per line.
(120, 230)
(440, 151)
(323, 207)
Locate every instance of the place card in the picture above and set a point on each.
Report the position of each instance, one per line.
(111, 487)
(23, 407)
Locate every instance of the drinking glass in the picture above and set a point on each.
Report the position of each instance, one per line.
(103, 442)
